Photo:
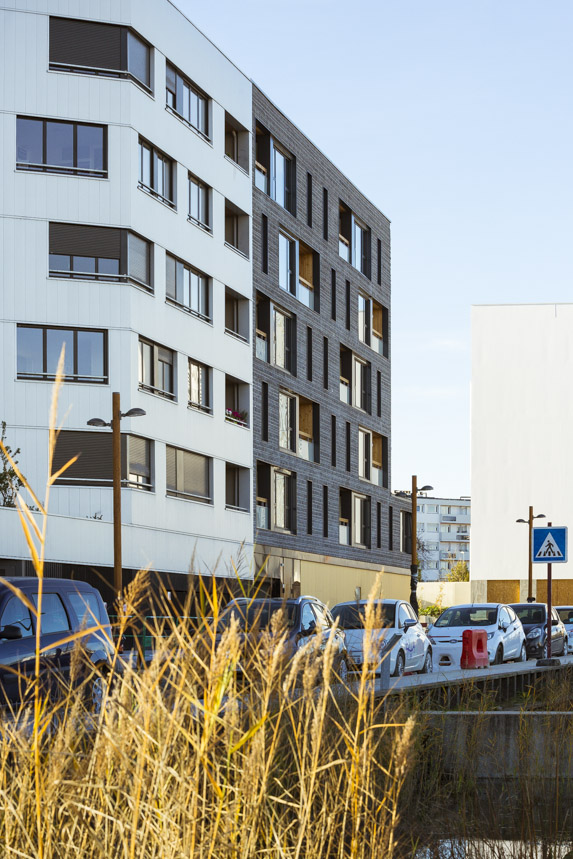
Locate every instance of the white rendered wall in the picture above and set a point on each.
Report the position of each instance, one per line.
(159, 531)
(522, 421)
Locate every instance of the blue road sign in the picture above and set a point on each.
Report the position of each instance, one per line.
(549, 545)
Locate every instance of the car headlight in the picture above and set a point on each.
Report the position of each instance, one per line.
(490, 635)
(535, 633)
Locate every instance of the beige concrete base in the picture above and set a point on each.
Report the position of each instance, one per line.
(444, 594)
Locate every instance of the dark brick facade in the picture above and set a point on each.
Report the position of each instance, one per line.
(309, 160)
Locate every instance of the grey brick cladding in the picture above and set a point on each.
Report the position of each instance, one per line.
(324, 175)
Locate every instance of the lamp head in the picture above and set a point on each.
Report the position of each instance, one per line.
(97, 422)
(425, 489)
(134, 413)
(540, 516)
(525, 522)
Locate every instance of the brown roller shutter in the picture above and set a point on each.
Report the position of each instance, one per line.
(94, 463)
(171, 465)
(85, 43)
(85, 241)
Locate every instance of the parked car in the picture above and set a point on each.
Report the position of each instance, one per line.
(397, 627)
(304, 617)
(67, 608)
(505, 635)
(533, 616)
(565, 612)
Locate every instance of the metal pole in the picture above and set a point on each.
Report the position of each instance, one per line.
(414, 564)
(530, 568)
(549, 624)
(116, 441)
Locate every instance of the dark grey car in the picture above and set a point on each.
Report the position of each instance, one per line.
(533, 616)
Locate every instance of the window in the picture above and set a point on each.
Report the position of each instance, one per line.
(274, 170)
(406, 532)
(236, 228)
(237, 487)
(236, 315)
(325, 363)
(379, 259)
(16, 614)
(91, 48)
(156, 173)
(309, 199)
(94, 463)
(378, 525)
(54, 617)
(86, 607)
(188, 288)
(325, 214)
(236, 142)
(333, 440)
(188, 475)
(39, 351)
(187, 100)
(264, 411)
(360, 520)
(348, 451)
(309, 353)
(283, 340)
(264, 244)
(298, 270)
(373, 457)
(309, 506)
(200, 386)
(287, 263)
(379, 393)
(99, 253)
(299, 426)
(55, 146)
(137, 454)
(237, 396)
(284, 500)
(333, 294)
(354, 380)
(391, 528)
(325, 512)
(199, 203)
(348, 305)
(156, 369)
(263, 491)
(373, 324)
(353, 240)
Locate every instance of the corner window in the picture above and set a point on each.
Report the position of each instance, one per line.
(236, 228)
(39, 351)
(199, 203)
(237, 488)
(156, 173)
(200, 386)
(186, 100)
(93, 48)
(188, 288)
(188, 475)
(353, 240)
(72, 148)
(156, 369)
(236, 142)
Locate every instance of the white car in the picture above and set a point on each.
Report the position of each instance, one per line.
(397, 628)
(505, 635)
(565, 612)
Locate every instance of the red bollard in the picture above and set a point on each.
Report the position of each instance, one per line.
(474, 649)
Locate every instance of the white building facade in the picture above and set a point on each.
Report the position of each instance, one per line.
(522, 414)
(443, 526)
(126, 207)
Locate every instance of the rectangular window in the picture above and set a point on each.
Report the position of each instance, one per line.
(236, 228)
(309, 353)
(353, 240)
(373, 324)
(325, 363)
(187, 287)
(92, 48)
(136, 457)
(364, 454)
(264, 411)
(298, 270)
(309, 200)
(156, 173)
(39, 351)
(379, 259)
(237, 313)
(282, 177)
(156, 369)
(263, 496)
(99, 253)
(347, 446)
(325, 214)
(265, 244)
(284, 500)
(94, 463)
(378, 525)
(237, 488)
(333, 294)
(379, 393)
(325, 512)
(200, 386)
(287, 263)
(299, 426)
(199, 203)
(360, 520)
(348, 305)
(55, 146)
(373, 457)
(391, 528)
(187, 100)
(237, 142)
(188, 475)
(344, 517)
(237, 401)
(284, 340)
(333, 441)
(406, 531)
(309, 506)
(287, 421)
(360, 384)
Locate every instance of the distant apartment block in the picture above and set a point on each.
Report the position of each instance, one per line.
(443, 535)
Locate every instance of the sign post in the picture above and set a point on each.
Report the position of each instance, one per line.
(549, 546)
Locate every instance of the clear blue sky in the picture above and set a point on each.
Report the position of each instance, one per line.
(455, 118)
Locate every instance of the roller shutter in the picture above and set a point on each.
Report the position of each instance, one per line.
(85, 43)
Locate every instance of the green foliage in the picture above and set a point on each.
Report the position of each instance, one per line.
(10, 483)
(432, 610)
(460, 572)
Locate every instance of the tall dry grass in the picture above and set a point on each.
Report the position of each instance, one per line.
(216, 748)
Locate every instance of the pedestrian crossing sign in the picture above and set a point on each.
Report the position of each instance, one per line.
(549, 545)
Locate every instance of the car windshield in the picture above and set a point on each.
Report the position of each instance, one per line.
(354, 616)
(530, 613)
(566, 614)
(468, 616)
(258, 614)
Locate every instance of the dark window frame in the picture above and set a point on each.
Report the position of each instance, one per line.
(207, 406)
(207, 224)
(154, 388)
(44, 376)
(200, 93)
(157, 155)
(43, 167)
(205, 278)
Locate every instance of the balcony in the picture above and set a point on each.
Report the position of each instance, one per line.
(239, 418)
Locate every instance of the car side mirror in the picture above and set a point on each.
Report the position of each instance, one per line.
(503, 625)
(11, 633)
(310, 629)
(408, 624)
(554, 622)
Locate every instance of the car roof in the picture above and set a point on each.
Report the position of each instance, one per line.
(28, 582)
(365, 602)
(527, 604)
(477, 605)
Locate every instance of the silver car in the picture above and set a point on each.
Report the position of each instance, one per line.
(565, 612)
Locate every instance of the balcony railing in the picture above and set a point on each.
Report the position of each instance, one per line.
(306, 448)
(262, 350)
(344, 532)
(377, 343)
(345, 393)
(262, 516)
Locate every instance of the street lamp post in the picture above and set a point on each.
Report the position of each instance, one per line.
(529, 521)
(414, 564)
(117, 415)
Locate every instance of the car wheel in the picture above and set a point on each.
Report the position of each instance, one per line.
(97, 687)
(498, 656)
(523, 654)
(400, 664)
(428, 663)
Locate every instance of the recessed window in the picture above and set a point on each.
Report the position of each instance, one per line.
(373, 457)
(39, 351)
(199, 203)
(237, 488)
(236, 142)
(373, 324)
(137, 455)
(187, 101)
(275, 170)
(236, 228)
(94, 463)
(283, 488)
(156, 173)
(200, 386)
(55, 146)
(275, 335)
(188, 475)
(353, 240)
(99, 253)
(299, 426)
(237, 401)
(188, 288)
(156, 369)
(355, 381)
(354, 519)
(237, 313)
(298, 269)
(93, 48)
(263, 490)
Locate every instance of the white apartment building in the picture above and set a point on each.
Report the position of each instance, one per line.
(125, 229)
(443, 526)
(522, 414)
